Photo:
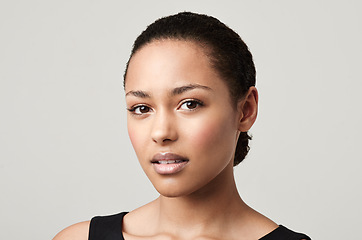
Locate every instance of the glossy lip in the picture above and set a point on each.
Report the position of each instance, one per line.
(168, 163)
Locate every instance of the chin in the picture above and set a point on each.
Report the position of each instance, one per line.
(174, 194)
(170, 194)
(174, 190)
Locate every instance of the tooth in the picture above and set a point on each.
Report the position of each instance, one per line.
(168, 161)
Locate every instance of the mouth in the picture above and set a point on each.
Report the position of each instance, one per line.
(168, 163)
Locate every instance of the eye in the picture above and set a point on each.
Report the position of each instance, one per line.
(191, 105)
(139, 110)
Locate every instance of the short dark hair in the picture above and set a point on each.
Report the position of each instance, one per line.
(229, 55)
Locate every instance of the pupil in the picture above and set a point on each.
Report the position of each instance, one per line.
(191, 105)
(143, 109)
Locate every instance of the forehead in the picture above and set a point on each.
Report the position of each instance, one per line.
(170, 62)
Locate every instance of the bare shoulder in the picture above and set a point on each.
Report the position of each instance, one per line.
(78, 231)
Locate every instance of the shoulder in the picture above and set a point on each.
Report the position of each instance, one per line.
(78, 231)
(284, 233)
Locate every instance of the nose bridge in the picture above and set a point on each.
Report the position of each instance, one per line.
(163, 128)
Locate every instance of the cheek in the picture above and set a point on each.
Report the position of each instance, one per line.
(135, 136)
(212, 135)
(132, 137)
(206, 135)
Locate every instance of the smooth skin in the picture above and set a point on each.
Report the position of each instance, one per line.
(179, 104)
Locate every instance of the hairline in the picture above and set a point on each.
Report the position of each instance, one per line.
(206, 48)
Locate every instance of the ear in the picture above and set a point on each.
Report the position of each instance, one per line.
(248, 109)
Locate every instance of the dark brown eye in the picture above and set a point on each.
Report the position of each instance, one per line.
(190, 105)
(139, 110)
(144, 109)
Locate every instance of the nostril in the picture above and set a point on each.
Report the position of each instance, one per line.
(163, 130)
(163, 140)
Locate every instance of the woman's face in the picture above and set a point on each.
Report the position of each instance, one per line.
(181, 121)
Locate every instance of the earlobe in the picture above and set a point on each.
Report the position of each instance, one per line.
(248, 109)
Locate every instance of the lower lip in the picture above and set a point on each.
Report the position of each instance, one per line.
(171, 168)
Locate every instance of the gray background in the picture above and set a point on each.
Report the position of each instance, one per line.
(64, 150)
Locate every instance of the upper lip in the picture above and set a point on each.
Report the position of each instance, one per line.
(167, 156)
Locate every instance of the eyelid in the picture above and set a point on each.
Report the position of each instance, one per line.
(199, 102)
(133, 108)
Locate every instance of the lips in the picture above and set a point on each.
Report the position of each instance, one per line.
(168, 163)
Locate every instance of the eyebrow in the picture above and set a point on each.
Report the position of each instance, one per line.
(182, 89)
(175, 91)
(139, 93)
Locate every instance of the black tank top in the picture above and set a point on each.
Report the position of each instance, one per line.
(110, 228)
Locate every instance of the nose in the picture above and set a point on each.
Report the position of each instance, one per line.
(164, 128)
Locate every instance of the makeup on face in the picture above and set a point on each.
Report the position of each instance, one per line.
(168, 163)
(180, 122)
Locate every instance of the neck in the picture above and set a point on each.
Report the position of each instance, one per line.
(212, 207)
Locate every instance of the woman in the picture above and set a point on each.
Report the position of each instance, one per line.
(191, 99)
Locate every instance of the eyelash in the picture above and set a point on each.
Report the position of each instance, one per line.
(198, 102)
(134, 108)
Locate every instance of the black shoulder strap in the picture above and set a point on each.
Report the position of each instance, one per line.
(283, 233)
(106, 227)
